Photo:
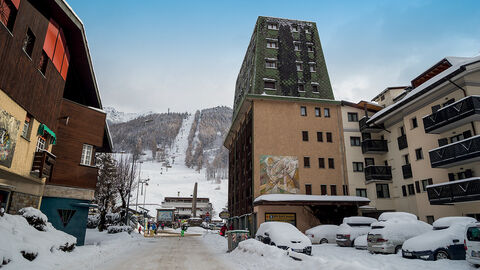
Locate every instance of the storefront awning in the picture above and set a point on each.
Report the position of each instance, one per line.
(43, 128)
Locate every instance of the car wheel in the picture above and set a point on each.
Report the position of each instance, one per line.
(397, 249)
(441, 255)
(323, 241)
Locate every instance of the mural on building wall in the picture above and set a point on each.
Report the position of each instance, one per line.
(279, 174)
(8, 137)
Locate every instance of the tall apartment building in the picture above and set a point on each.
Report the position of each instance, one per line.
(286, 138)
(51, 122)
(422, 151)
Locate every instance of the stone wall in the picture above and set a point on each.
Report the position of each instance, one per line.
(20, 200)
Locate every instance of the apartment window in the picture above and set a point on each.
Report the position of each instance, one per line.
(306, 162)
(269, 85)
(297, 46)
(323, 189)
(331, 163)
(321, 163)
(345, 190)
(326, 112)
(301, 88)
(305, 136)
(299, 67)
(303, 111)
(312, 68)
(272, 26)
(425, 183)
(442, 142)
(315, 88)
(272, 44)
(459, 137)
(8, 13)
(308, 189)
(411, 189)
(406, 159)
(319, 136)
(414, 122)
(310, 48)
(270, 64)
(358, 166)
(404, 191)
(382, 191)
(294, 28)
(352, 117)
(419, 153)
(329, 137)
(382, 97)
(87, 153)
(361, 192)
(28, 43)
(355, 141)
(369, 162)
(430, 219)
(402, 131)
(41, 144)
(43, 62)
(333, 189)
(417, 186)
(27, 127)
(317, 112)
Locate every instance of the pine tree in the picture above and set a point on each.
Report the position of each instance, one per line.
(106, 189)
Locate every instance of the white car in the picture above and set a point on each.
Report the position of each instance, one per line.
(361, 242)
(472, 244)
(285, 236)
(322, 234)
(351, 228)
(388, 235)
(444, 242)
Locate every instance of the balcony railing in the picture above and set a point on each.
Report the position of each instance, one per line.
(369, 128)
(407, 171)
(43, 163)
(375, 173)
(454, 115)
(402, 142)
(463, 190)
(457, 153)
(374, 146)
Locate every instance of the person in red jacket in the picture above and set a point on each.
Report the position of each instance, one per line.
(223, 229)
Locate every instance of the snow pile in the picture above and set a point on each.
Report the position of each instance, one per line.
(399, 229)
(256, 247)
(358, 220)
(446, 222)
(35, 218)
(361, 242)
(20, 241)
(118, 229)
(400, 215)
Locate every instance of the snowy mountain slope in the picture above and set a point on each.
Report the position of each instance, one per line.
(115, 116)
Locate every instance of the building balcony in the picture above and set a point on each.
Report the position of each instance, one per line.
(458, 153)
(402, 142)
(378, 173)
(463, 190)
(369, 128)
(407, 171)
(454, 115)
(43, 163)
(374, 146)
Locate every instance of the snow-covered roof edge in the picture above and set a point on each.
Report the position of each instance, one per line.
(312, 198)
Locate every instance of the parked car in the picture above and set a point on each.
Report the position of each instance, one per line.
(361, 242)
(444, 242)
(285, 236)
(388, 235)
(472, 244)
(351, 228)
(322, 234)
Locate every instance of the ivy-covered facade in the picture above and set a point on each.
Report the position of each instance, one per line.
(284, 58)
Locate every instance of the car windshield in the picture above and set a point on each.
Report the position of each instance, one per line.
(473, 234)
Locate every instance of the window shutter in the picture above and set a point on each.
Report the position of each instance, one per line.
(66, 61)
(59, 52)
(51, 39)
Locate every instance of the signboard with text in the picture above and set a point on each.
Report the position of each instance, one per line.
(282, 217)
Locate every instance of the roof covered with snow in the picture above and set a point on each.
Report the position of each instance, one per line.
(308, 198)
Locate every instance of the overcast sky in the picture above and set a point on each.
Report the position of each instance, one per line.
(185, 55)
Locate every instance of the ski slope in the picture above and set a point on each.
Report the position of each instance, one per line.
(167, 182)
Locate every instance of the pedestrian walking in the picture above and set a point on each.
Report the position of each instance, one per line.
(163, 226)
(223, 230)
(154, 228)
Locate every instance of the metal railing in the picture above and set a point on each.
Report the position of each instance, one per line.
(374, 146)
(456, 111)
(454, 153)
(364, 127)
(456, 191)
(374, 172)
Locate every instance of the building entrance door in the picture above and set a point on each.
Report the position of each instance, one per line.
(4, 196)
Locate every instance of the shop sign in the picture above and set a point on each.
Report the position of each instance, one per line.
(282, 217)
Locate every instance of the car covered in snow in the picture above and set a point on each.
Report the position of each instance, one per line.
(361, 242)
(472, 244)
(285, 236)
(351, 228)
(444, 242)
(393, 228)
(322, 234)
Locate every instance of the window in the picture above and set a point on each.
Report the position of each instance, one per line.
(270, 64)
(411, 189)
(317, 112)
(310, 48)
(355, 141)
(430, 219)
(450, 101)
(319, 136)
(382, 191)
(308, 189)
(369, 162)
(43, 62)
(41, 144)
(301, 88)
(306, 162)
(326, 112)
(414, 122)
(361, 192)
(297, 46)
(272, 26)
(269, 85)
(294, 28)
(352, 117)
(419, 153)
(323, 189)
(402, 131)
(315, 88)
(321, 163)
(345, 190)
(406, 159)
(333, 189)
(358, 166)
(8, 13)
(305, 136)
(87, 153)
(366, 136)
(331, 163)
(299, 67)
(303, 111)
(382, 97)
(312, 68)
(26, 127)
(28, 43)
(329, 137)
(417, 186)
(425, 183)
(404, 191)
(272, 44)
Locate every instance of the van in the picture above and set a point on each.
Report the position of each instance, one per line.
(472, 244)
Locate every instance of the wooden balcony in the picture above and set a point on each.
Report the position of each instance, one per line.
(43, 163)
(454, 115)
(368, 128)
(374, 146)
(458, 153)
(378, 173)
(464, 190)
